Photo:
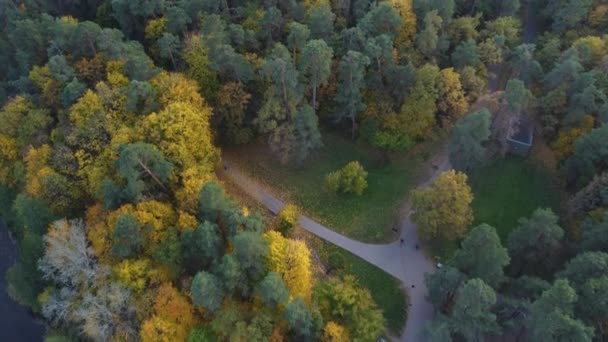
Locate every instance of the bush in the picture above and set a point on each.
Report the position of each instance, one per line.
(349, 179)
(287, 219)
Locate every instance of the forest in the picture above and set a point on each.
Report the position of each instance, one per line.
(121, 122)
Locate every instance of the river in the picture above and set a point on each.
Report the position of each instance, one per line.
(16, 322)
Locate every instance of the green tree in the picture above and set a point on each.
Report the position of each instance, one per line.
(587, 274)
(196, 56)
(595, 235)
(201, 335)
(230, 113)
(271, 25)
(482, 256)
(565, 70)
(138, 162)
(427, 40)
(590, 152)
(349, 179)
(212, 202)
(438, 330)
(228, 62)
(315, 65)
(585, 266)
(169, 253)
(417, 115)
(225, 321)
(443, 285)
(473, 85)
(518, 97)
(472, 316)
(201, 246)
(31, 215)
(177, 20)
(281, 117)
(567, 14)
(306, 132)
(491, 51)
(169, 47)
(380, 52)
(251, 250)
(534, 244)
(466, 54)
(207, 291)
(127, 240)
(524, 65)
(345, 302)
(272, 290)
(23, 121)
(552, 316)
(24, 280)
(443, 210)
(141, 97)
(466, 149)
(321, 22)
(351, 81)
(297, 38)
(299, 319)
(233, 278)
(509, 7)
(381, 19)
(508, 27)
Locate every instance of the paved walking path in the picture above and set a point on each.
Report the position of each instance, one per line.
(401, 260)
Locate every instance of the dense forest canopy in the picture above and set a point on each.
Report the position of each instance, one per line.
(114, 113)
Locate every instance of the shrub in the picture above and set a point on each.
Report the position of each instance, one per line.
(287, 219)
(349, 179)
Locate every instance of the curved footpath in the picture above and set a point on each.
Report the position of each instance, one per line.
(402, 261)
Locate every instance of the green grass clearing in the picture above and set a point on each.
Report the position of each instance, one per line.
(505, 191)
(385, 289)
(370, 217)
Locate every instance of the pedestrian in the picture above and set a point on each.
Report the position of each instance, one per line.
(401, 241)
(416, 246)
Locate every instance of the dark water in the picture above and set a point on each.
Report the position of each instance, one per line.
(16, 322)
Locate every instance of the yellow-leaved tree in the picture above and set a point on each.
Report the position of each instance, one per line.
(157, 329)
(182, 132)
(155, 216)
(443, 209)
(138, 274)
(37, 168)
(564, 144)
(173, 316)
(407, 32)
(10, 165)
(334, 332)
(291, 260)
(452, 102)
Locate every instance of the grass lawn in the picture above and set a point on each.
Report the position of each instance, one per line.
(505, 191)
(370, 217)
(384, 288)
